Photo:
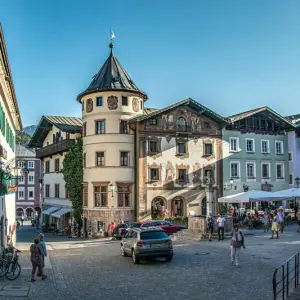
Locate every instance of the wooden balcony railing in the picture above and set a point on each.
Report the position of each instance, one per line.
(56, 148)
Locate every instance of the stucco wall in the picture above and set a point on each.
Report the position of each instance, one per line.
(111, 143)
(294, 164)
(257, 157)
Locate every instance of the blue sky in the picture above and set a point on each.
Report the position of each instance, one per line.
(229, 55)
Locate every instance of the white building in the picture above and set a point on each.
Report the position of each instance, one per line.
(10, 122)
(53, 138)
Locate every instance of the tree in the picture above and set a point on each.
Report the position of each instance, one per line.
(22, 138)
(73, 176)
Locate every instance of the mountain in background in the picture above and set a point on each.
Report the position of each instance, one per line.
(30, 129)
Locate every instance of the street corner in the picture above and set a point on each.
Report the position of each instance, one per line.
(14, 290)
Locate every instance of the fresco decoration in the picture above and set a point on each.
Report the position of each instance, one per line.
(170, 171)
(89, 105)
(167, 121)
(112, 102)
(135, 104)
(197, 173)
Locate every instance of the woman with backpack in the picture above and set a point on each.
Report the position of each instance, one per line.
(236, 243)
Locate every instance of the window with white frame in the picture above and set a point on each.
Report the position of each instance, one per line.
(30, 164)
(234, 169)
(250, 169)
(31, 178)
(234, 144)
(265, 170)
(21, 180)
(279, 170)
(21, 164)
(20, 194)
(30, 193)
(250, 145)
(291, 178)
(290, 156)
(265, 146)
(278, 147)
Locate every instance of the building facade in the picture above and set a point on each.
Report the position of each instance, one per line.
(53, 138)
(256, 152)
(28, 195)
(294, 152)
(10, 123)
(139, 163)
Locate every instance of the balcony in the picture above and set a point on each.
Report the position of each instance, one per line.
(59, 147)
(3, 152)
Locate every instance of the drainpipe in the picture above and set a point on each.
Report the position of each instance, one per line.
(136, 174)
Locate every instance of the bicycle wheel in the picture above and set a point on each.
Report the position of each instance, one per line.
(2, 268)
(13, 270)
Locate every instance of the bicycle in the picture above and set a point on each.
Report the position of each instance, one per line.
(9, 265)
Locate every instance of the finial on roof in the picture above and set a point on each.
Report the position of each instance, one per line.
(111, 37)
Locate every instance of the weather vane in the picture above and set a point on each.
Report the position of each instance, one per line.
(111, 37)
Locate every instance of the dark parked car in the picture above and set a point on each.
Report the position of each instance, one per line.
(167, 226)
(121, 229)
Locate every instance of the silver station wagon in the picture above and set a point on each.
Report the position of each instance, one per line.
(144, 243)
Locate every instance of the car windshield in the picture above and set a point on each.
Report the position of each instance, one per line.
(134, 225)
(153, 235)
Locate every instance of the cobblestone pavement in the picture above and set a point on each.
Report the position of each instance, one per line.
(199, 270)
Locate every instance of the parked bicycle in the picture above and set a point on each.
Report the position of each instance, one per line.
(9, 263)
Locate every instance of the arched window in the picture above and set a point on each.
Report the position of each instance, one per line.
(181, 124)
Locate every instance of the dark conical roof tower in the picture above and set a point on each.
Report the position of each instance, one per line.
(112, 77)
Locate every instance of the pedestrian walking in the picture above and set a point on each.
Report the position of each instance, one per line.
(298, 218)
(22, 220)
(210, 226)
(36, 260)
(221, 223)
(237, 241)
(266, 222)
(281, 218)
(275, 226)
(121, 221)
(111, 228)
(43, 248)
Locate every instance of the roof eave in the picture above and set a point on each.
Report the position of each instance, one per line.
(140, 93)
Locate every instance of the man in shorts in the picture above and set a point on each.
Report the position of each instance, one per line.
(210, 226)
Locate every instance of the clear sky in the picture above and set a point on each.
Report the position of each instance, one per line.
(229, 55)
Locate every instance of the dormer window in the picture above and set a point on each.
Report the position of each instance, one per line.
(153, 121)
(125, 101)
(181, 124)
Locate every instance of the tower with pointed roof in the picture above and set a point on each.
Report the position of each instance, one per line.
(108, 103)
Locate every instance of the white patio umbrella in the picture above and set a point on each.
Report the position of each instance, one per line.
(250, 196)
(288, 194)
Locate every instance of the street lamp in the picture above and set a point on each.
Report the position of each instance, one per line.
(228, 186)
(297, 181)
(112, 188)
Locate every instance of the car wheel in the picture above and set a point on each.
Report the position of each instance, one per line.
(123, 253)
(169, 258)
(135, 259)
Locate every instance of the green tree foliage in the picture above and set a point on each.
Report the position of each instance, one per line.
(73, 176)
(23, 138)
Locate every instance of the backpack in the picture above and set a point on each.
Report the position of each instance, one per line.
(210, 222)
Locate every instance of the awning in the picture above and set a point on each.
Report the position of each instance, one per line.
(50, 210)
(61, 212)
(246, 197)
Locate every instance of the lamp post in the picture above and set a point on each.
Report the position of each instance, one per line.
(228, 186)
(112, 188)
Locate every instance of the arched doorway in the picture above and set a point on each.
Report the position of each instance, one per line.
(158, 208)
(177, 207)
(29, 213)
(19, 212)
(203, 207)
